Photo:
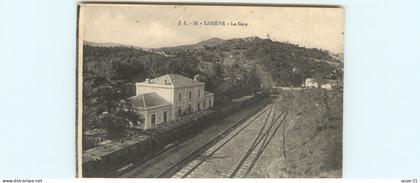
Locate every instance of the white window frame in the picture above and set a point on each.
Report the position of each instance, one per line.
(156, 123)
(163, 116)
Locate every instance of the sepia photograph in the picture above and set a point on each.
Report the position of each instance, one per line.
(209, 91)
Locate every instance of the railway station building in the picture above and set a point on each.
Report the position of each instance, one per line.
(168, 97)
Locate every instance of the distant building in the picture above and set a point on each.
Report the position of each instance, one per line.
(328, 84)
(164, 99)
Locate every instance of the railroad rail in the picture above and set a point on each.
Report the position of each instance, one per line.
(176, 167)
(259, 145)
(267, 132)
(186, 171)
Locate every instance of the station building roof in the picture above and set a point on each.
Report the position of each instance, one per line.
(175, 80)
(148, 100)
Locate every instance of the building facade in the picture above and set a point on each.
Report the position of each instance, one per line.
(168, 97)
(327, 84)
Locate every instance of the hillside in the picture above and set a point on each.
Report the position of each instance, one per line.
(229, 68)
(277, 63)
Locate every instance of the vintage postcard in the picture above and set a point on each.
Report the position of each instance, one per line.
(209, 91)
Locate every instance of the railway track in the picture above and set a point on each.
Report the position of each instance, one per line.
(178, 166)
(261, 142)
(258, 146)
(265, 143)
(187, 170)
(268, 130)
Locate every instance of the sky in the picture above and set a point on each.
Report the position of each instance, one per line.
(154, 26)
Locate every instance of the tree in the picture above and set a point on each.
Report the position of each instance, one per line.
(105, 105)
(113, 124)
(338, 75)
(185, 65)
(236, 65)
(253, 80)
(116, 120)
(126, 70)
(126, 111)
(218, 70)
